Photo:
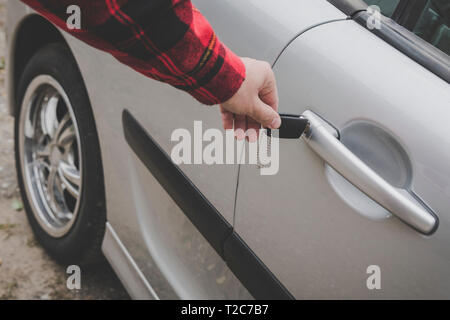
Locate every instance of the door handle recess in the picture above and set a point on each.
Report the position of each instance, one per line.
(324, 142)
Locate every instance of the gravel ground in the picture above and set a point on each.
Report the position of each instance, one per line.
(26, 271)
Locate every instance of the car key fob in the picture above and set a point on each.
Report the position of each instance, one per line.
(292, 126)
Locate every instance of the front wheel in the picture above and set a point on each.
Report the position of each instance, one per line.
(58, 158)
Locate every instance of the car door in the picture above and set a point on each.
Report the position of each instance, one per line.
(381, 96)
(179, 258)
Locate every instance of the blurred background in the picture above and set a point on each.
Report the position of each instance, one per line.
(26, 271)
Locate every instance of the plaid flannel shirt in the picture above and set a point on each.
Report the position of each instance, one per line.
(166, 40)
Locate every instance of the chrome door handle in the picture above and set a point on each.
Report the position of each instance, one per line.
(321, 139)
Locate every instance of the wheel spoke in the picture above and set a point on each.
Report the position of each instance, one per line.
(49, 120)
(43, 163)
(40, 163)
(70, 178)
(66, 136)
(55, 193)
(43, 153)
(63, 130)
(70, 173)
(52, 186)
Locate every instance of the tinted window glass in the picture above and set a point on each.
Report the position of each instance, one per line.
(387, 7)
(433, 24)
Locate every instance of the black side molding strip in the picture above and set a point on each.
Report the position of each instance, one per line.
(247, 267)
(409, 44)
(253, 274)
(195, 206)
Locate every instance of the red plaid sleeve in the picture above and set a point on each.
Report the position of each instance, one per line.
(166, 40)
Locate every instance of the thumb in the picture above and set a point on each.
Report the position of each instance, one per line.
(265, 115)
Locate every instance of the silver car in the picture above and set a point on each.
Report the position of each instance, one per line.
(360, 207)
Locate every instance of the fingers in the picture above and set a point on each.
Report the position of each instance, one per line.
(227, 118)
(239, 127)
(244, 126)
(265, 115)
(266, 104)
(256, 100)
(252, 129)
(269, 93)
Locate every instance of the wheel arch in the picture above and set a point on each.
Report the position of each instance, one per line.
(32, 33)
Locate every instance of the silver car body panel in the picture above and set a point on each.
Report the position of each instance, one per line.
(124, 266)
(163, 244)
(321, 236)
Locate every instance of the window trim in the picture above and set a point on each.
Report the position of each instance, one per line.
(349, 7)
(425, 54)
(411, 45)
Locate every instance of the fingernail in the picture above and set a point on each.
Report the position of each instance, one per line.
(276, 123)
(239, 134)
(252, 137)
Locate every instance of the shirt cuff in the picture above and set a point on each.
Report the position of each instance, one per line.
(227, 80)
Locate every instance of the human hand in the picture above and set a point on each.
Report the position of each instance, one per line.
(255, 104)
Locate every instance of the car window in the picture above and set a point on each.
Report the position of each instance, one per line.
(433, 24)
(387, 7)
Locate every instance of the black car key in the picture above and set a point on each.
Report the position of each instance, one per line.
(292, 126)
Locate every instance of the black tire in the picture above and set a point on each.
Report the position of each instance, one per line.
(81, 245)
